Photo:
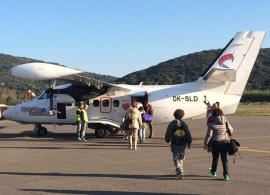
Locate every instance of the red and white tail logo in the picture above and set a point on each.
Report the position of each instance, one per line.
(224, 58)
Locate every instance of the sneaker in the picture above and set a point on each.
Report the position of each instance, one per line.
(212, 173)
(130, 147)
(79, 139)
(83, 139)
(226, 177)
(135, 148)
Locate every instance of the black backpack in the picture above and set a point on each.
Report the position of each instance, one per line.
(179, 136)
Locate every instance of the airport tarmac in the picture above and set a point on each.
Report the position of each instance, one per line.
(58, 164)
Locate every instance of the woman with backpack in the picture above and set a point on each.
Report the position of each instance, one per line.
(218, 135)
(134, 120)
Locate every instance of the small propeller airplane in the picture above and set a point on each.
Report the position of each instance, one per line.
(223, 81)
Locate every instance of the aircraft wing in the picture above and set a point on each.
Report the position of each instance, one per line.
(84, 80)
(46, 71)
(220, 75)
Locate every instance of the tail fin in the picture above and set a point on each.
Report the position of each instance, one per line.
(235, 62)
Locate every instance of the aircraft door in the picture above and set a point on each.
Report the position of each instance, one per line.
(61, 111)
(105, 104)
(140, 97)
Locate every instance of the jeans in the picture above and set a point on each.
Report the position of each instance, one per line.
(83, 130)
(178, 159)
(142, 134)
(79, 127)
(219, 147)
(151, 128)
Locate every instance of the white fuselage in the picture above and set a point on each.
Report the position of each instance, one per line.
(110, 108)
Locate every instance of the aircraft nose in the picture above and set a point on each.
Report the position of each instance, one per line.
(8, 113)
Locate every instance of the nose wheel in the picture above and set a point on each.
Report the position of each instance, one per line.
(41, 130)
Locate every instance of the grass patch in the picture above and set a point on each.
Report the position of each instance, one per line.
(252, 112)
(254, 103)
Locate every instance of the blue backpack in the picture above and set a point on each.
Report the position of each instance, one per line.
(147, 118)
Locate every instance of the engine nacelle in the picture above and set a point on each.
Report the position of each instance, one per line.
(41, 71)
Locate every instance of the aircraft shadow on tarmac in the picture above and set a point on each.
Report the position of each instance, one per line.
(151, 177)
(97, 192)
(87, 147)
(71, 137)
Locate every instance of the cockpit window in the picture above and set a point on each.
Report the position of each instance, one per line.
(45, 94)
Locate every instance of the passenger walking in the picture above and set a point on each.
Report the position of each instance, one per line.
(79, 121)
(179, 136)
(144, 126)
(210, 118)
(134, 119)
(217, 133)
(209, 114)
(150, 111)
(84, 118)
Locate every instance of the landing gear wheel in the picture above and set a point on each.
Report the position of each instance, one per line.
(42, 131)
(101, 132)
(114, 130)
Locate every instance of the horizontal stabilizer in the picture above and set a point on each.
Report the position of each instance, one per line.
(220, 75)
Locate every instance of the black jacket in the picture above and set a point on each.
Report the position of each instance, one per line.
(169, 134)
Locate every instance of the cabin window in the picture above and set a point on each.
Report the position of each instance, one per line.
(96, 103)
(69, 104)
(105, 103)
(116, 103)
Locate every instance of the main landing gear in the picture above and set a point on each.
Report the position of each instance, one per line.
(41, 130)
(102, 131)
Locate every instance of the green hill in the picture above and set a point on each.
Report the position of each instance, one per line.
(182, 69)
(190, 67)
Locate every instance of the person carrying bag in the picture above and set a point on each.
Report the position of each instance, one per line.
(217, 134)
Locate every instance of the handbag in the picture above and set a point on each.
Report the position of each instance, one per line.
(232, 148)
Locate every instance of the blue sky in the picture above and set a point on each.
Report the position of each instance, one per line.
(118, 37)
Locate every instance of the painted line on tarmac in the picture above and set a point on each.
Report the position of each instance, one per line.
(259, 151)
(253, 137)
(238, 138)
